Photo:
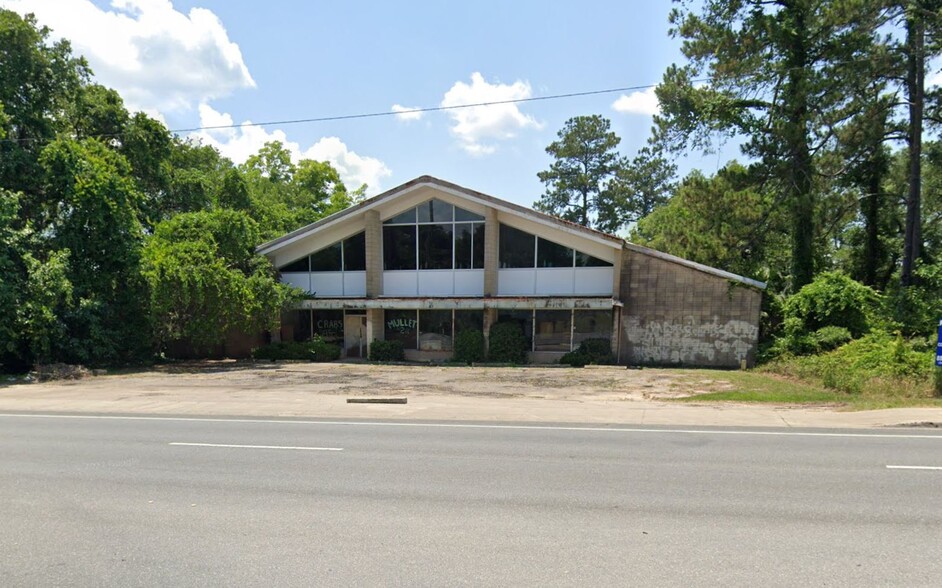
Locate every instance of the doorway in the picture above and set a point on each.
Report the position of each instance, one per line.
(354, 335)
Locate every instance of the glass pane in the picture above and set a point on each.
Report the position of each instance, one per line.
(329, 325)
(552, 330)
(469, 320)
(463, 215)
(591, 324)
(463, 245)
(299, 324)
(326, 260)
(354, 253)
(435, 246)
(401, 325)
(435, 211)
(407, 217)
(399, 247)
(549, 254)
(586, 260)
(435, 330)
(524, 318)
(516, 248)
(478, 262)
(299, 266)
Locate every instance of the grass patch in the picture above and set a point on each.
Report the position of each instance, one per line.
(766, 386)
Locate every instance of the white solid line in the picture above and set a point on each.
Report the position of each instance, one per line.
(905, 467)
(258, 446)
(478, 426)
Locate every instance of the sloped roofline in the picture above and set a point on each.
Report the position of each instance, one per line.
(430, 181)
(694, 265)
(502, 205)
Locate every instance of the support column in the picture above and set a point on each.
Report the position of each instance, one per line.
(374, 254)
(491, 240)
(490, 317)
(374, 327)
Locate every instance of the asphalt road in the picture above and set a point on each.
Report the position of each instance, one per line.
(191, 502)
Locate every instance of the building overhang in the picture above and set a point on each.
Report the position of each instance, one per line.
(463, 303)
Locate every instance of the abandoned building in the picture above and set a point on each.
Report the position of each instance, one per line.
(429, 258)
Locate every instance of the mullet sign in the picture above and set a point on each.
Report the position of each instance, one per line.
(938, 348)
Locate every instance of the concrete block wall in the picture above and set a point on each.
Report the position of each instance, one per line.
(677, 315)
(374, 254)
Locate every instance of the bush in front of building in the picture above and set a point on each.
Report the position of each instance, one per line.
(469, 346)
(508, 344)
(314, 350)
(590, 352)
(387, 351)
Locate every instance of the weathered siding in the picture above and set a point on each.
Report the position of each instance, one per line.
(678, 315)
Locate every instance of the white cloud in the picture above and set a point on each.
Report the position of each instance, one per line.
(406, 113)
(239, 143)
(156, 57)
(476, 127)
(638, 102)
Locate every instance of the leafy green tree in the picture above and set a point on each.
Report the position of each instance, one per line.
(577, 182)
(638, 188)
(39, 80)
(206, 280)
(724, 221)
(776, 72)
(11, 269)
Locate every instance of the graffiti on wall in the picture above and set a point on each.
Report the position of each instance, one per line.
(690, 341)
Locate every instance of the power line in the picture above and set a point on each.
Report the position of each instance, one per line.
(415, 110)
(374, 114)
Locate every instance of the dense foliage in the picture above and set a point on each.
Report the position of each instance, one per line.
(590, 352)
(316, 350)
(507, 344)
(387, 351)
(117, 237)
(469, 346)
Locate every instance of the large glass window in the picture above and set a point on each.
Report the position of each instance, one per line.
(469, 320)
(586, 260)
(329, 325)
(591, 324)
(445, 237)
(553, 330)
(549, 254)
(435, 332)
(435, 246)
(478, 248)
(524, 318)
(399, 247)
(516, 248)
(299, 266)
(402, 325)
(354, 253)
(435, 211)
(327, 259)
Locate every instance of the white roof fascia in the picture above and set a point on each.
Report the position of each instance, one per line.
(697, 266)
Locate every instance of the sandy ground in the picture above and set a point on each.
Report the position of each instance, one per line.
(529, 394)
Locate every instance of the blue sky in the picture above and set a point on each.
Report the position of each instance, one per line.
(201, 62)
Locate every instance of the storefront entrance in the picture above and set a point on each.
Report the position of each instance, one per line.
(354, 335)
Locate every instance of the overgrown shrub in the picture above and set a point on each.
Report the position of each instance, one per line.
(314, 350)
(387, 351)
(469, 346)
(878, 362)
(833, 300)
(508, 344)
(829, 338)
(590, 352)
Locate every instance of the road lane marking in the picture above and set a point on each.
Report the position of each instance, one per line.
(906, 467)
(478, 426)
(257, 446)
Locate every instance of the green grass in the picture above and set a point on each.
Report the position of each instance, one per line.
(764, 387)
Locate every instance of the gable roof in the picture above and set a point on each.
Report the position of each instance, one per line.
(501, 205)
(429, 181)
